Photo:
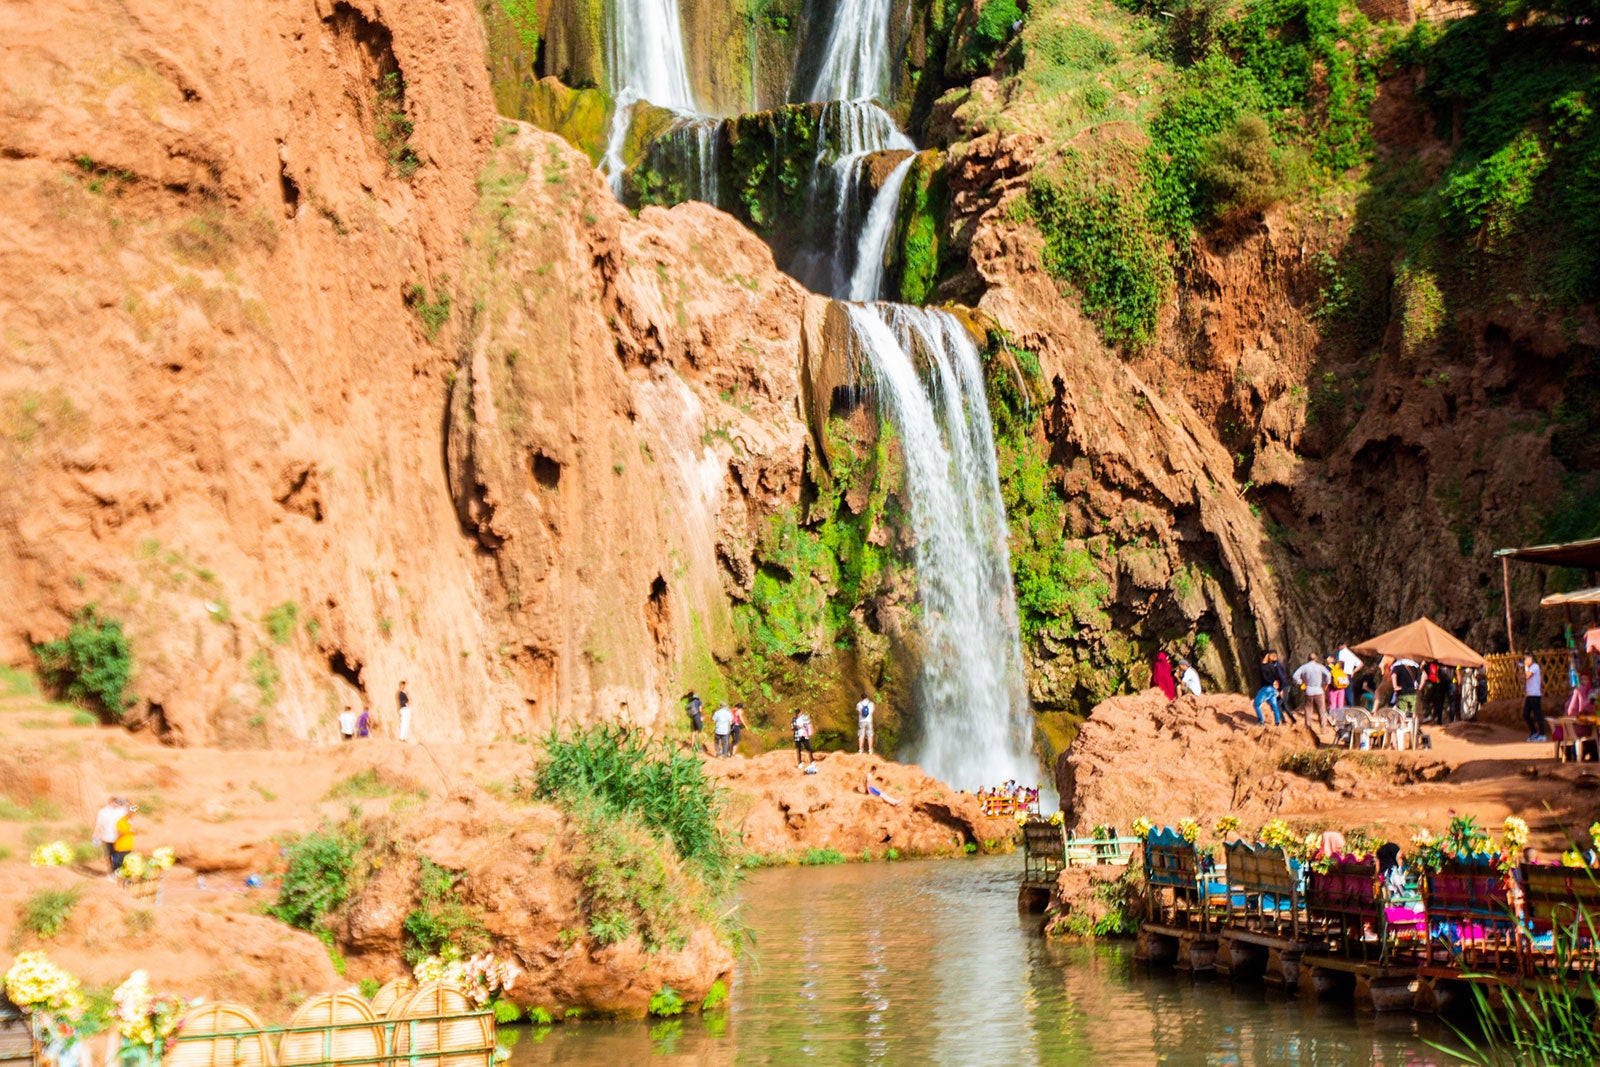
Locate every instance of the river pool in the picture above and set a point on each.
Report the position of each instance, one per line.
(930, 963)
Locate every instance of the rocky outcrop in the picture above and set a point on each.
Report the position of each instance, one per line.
(244, 324)
(778, 813)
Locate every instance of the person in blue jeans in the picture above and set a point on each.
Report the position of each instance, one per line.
(1267, 696)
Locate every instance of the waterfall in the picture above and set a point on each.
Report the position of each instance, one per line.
(866, 280)
(855, 62)
(857, 128)
(975, 725)
(646, 62)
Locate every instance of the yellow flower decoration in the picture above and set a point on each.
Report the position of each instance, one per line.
(55, 854)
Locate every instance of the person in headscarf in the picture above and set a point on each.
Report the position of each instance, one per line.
(1161, 675)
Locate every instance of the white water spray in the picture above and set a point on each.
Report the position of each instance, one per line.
(866, 280)
(855, 62)
(646, 62)
(975, 725)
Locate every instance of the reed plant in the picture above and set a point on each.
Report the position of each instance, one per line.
(627, 774)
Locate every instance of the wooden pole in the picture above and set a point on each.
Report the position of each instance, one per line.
(1505, 585)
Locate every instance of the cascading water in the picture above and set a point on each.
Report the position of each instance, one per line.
(975, 726)
(855, 62)
(866, 279)
(646, 60)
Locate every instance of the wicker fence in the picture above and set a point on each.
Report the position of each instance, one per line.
(1505, 675)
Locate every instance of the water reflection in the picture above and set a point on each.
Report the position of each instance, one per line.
(929, 963)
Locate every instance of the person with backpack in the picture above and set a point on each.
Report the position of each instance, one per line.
(864, 712)
(800, 725)
(697, 719)
(1405, 676)
(1338, 685)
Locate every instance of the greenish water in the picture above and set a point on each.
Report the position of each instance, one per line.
(930, 963)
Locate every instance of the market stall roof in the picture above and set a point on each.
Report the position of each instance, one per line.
(1572, 554)
(1577, 596)
(1422, 640)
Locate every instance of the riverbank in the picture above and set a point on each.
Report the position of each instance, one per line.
(521, 875)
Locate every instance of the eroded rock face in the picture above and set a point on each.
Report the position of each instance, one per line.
(777, 812)
(243, 323)
(519, 872)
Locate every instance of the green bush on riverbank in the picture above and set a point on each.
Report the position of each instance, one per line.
(626, 793)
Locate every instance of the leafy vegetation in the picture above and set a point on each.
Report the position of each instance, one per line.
(440, 921)
(372, 784)
(45, 911)
(316, 882)
(433, 313)
(280, 622)
(393, 128)
(821, 857)
(629, 774)
(93, 663)
(666, 1001)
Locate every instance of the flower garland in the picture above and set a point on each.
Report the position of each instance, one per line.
(54, 854)
(1142, 827)
(35, 984)
(137, 868)
(1189, 830)
(1226, 825)
(481, 978)
(145, 1018)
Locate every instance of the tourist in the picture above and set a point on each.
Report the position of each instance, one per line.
(801, 727)
(347, 724)
(697, 719)
(1338, 685)
(1405, 675)
(874, 791)
(1348, 660)
(1190, 676)
(1315, 679)
(364, 724)
(1267, 697)
(1331, 844)
(124, 842)
(1364, 683)
(403, 700)
(1390, 869)
(722, 727)
(864, 712)
(1533, 697)
(105, 830)
(1582, 694)
(1275, 674)
(1445, 708)
(736, 730)
(1161, 677)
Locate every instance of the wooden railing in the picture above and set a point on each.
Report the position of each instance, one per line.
(1506, 678)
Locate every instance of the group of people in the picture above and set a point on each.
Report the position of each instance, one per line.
(364, 724)
(1008, 798)
(1581, 697)
(1162, 678)
(1425, 692)
(113, 830)
(728, 726)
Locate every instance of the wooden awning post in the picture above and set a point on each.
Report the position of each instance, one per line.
(1505, 585)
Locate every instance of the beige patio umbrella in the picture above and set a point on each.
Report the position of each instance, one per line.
(1421, 640)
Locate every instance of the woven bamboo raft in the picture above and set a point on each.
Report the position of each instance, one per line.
(434, 1026)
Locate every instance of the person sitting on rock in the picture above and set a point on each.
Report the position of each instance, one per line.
(874, 791)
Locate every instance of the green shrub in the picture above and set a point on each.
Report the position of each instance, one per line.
(610, 927)
(433, 313)
(373, 784)
(631, 884)
(45, 912)
(666, 1001)
(715, 996)
(93, 663)
(988, 34)
(393, 128)
(280, 622)
(369, 988)
(1071, 45)
(539, 1017)
(505, 1012)
(440, 920)
(821, 857)
(317, 880)
(1098, 238)
(626, 773)
(1242, 171)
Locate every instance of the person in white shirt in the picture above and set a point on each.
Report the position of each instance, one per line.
(801, 726)
(722, 726)
(105, 828)
(864, 712)
(1189, 676)
(1348, 660)
(347, 724)
(1315, 678)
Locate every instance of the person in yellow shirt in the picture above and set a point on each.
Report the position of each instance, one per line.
(124, 842)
